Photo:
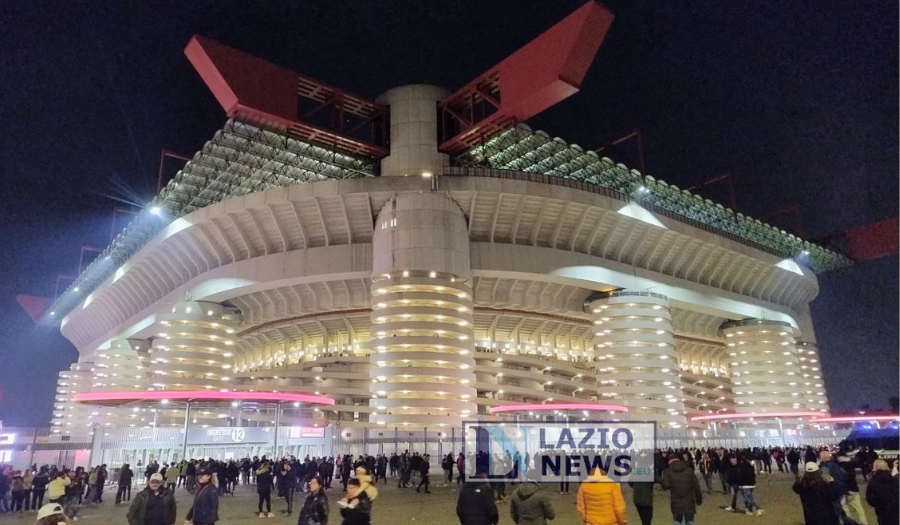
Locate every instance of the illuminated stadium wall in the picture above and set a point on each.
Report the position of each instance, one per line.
(426, 295)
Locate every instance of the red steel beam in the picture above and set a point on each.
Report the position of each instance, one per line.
(546, 71)
(263, 94)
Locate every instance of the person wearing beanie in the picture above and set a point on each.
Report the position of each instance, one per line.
(155, 505)
(818, 495)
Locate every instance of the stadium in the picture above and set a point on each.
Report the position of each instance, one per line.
(346, 270)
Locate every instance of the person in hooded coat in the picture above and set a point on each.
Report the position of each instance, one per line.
(817, 495)
(684, 488)
(476, 505)
(530, 505)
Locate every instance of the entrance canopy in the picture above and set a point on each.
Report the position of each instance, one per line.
(757, 416)
(548, 407)
(198, 396)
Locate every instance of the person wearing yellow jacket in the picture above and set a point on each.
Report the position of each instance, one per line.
(365, 483)
(56, 490)
(600, 500)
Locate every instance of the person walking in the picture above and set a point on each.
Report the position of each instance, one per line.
(476, 505)
(529, 505)
(881, 494)
(817, 496)
(747, 480)
(356, 508)
(264, 484)
(705, 467)
(684, 488)
(28, 481)
(793, 459)
(172, 475)
(733, 479)
(123, 493)
(155, 505)
(642, 497)
(315, 506)
(423, 473)
(851, 504)
(600, 500)
(205, 508)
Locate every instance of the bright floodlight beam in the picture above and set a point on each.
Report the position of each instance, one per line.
(155, 210)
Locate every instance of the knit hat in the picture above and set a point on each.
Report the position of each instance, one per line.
(156, 477)
(49, 510)
(812, 466)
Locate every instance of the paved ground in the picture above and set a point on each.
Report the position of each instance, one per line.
(404, 506)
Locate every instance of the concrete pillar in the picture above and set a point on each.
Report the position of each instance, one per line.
(414, 131)
(636, 359)
(765, 371)
(812, 383)
(422, 362)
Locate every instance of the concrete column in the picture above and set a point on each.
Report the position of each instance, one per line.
(812, 381)
(414, 131)
(765, 371)
(423, 343)
(636, 359)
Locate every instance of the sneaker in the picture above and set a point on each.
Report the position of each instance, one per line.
(759, 512)
(748, 512)
(271, 515)
(74, 518)
(261, 515)
(729, 509)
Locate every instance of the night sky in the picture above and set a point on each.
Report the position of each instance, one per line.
(798, 100)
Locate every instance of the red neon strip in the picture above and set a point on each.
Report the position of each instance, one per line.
(756, 415)
(570, 406)
(200, 395)
(851, 419)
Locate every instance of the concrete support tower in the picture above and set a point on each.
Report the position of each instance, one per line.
(194, 348)
(637, 362)
(764, 367)
(422, 365)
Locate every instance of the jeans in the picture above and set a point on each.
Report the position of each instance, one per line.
(18, 499)
(71, 506)
(37, 498)
(749, 502)
(707, 478)
(4, 501)
(735, 490)
(289, 497)
(683, 519)
(189, 482)
(724, 481)
(28, 499)
(123, 493)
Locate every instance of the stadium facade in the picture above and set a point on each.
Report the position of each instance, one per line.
(447, 264)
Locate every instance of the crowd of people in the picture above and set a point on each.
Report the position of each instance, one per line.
(826, 482)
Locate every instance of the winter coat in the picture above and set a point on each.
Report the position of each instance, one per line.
(315, 509)
(600, 502)
(360, 514)
(531, 506)
(818, 502)
(57, 487)
(40, 481)
(836, 472)
(264, 480)
(138, 510)
(205, 508)
(881, 494)
(173, 474)
(476, 506)
(365, 484)
(125, 477)
(684, 487)
(643, 494)
(746, 474)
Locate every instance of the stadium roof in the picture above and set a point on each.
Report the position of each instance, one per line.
(242, 159)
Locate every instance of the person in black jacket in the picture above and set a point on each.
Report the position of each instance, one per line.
(264, 483)
(315, 506)
(124, 491)
(287, 483)
(39, 488)
(423, 473)
(155, 505)
(205, 509)
(881, 494)
(817, 497)
(733, 478)
(356, 508)
(476, 505)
